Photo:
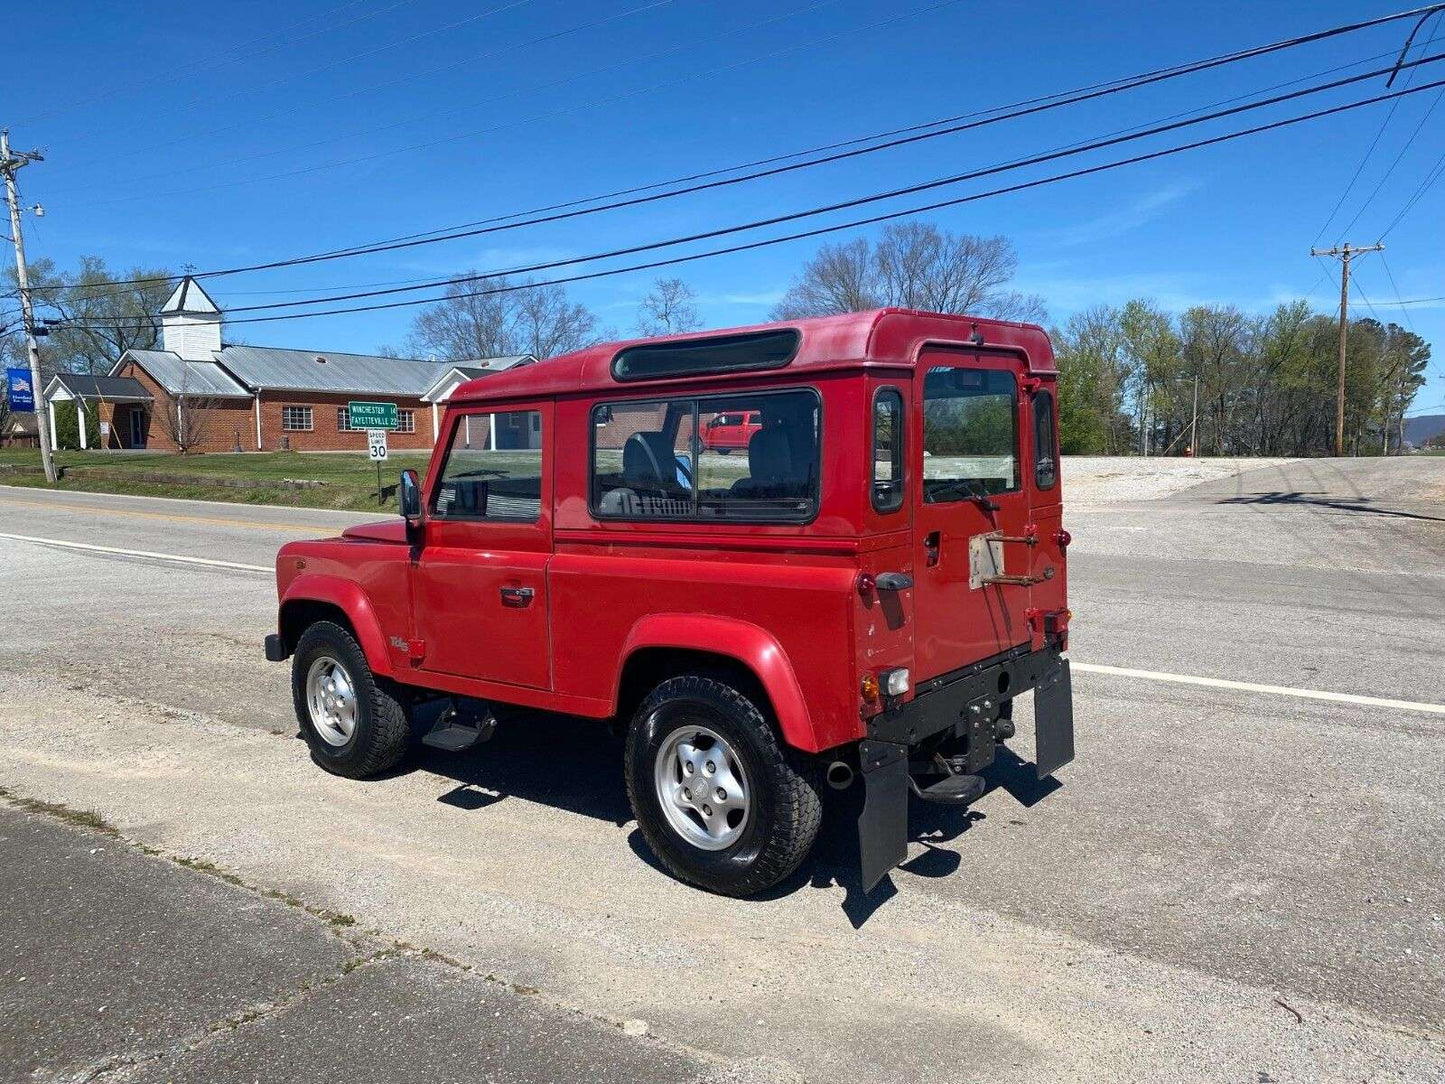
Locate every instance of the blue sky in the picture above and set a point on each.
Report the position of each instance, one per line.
(256, 129)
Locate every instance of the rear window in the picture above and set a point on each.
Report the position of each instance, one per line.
(970, 433)
(888, 450)
(697, 357)
(648, 462)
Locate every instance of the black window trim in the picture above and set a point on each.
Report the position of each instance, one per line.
(697, 400)
(622, 377)
(902, 457)
(1018, 487)
(1053, 436)
(441, 471)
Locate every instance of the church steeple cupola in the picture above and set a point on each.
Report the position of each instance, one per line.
(191, 322)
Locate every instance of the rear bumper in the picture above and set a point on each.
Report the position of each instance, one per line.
(966, 703)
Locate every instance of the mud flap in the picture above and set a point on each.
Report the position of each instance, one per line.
(883, 825)
(1054, 720)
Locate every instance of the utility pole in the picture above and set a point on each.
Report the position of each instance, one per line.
(1194, 425)
(1344, 254)
(9, 163)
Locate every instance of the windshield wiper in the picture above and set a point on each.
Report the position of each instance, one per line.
(968, 488)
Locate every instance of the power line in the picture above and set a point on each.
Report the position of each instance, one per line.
(1384, 124)
(1432, 175)
(1038, 159)
(435, 237)
(825, 230)
(1148, 77)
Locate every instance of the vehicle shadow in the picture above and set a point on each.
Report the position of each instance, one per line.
(575, 764)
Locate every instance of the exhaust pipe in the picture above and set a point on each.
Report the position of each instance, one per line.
(839, 775)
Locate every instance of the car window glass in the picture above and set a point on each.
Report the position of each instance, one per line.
(888, 450)
(750, 457)
(642, 462)
(1045, 458)
(493, 468)
(970, 433)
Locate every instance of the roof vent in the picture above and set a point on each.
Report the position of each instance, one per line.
(320, 360)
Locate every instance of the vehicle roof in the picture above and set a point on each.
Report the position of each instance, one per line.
(887, 338)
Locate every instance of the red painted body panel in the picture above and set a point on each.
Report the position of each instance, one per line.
(793, 602)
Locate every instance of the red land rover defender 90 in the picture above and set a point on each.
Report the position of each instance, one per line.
(862, 595)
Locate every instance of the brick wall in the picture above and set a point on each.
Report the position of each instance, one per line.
(325, 435)
(219, 421)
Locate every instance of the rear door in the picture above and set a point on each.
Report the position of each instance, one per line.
(480, 580)
(971, 499)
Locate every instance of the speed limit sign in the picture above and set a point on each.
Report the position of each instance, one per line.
(376, 445)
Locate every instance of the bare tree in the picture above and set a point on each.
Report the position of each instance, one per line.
(668, 310)
(185, 418)
(914, 265)
(536, 320)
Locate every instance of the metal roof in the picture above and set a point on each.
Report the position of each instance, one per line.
(86, 386)
(188, 297)
(325, 370)
(190, 378)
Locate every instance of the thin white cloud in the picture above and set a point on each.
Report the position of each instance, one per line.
(1138, 212)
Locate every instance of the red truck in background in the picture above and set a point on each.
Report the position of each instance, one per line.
(726, 433)
(859, 598)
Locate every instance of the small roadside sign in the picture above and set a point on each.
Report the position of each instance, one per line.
(371, 415)
(20, 390)
(376, 444)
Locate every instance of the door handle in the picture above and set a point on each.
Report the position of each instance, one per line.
(517, 597)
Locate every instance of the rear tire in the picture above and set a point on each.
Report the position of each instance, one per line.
(700, 736)
(354, 723)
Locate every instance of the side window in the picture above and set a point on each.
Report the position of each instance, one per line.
(970, 433)
(748, 457)
(642, 460)
(1046, 463)
(493, 468)
(887, 450)
(773, 474)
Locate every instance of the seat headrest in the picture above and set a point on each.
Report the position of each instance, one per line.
(770, 456)
(647, 459)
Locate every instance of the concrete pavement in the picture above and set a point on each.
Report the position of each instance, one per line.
(1215, 862)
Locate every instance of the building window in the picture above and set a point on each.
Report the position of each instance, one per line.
(406, 421)
(296, 419)
(343, 421)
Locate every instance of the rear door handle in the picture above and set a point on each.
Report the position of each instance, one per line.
(517, 597)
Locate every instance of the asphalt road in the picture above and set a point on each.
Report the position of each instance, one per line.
(1227, 885)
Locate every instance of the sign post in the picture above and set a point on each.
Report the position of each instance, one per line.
(376, 419)
(376, 449)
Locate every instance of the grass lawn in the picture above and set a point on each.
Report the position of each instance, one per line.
(309, 480)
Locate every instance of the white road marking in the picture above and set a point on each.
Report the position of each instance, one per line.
(1082, 667)
(175, 558)
(1252, 687)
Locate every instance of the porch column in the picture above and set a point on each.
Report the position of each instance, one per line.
(80, 420)
(54, 442)
(436, 431)
(494, 430)
(258, 421)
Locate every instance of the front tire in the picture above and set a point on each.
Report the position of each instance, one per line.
(720, 801)
(355, 725)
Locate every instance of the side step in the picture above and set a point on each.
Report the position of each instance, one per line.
(956, 789)
(458, 729)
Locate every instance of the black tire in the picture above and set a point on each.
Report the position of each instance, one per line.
(382, 733)
(784, 804)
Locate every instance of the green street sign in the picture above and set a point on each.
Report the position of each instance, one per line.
(371, 415)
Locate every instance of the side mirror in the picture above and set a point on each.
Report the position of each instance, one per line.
(409, 498)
